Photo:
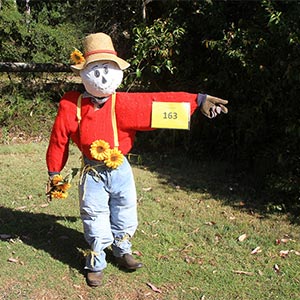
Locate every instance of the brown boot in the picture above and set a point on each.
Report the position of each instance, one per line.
(94, 279)
(128, 262)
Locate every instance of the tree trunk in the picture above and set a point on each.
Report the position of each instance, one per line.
(27, 11)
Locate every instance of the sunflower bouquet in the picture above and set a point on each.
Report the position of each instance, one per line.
(100, 150)
(58, 187)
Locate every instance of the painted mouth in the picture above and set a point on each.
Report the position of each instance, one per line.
(102, 88)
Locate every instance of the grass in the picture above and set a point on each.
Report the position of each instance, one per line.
(191, 215)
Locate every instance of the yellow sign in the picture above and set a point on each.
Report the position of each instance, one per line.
(175, 115)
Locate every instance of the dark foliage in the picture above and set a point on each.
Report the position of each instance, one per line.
(244, 51)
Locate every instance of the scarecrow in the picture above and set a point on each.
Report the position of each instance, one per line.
(103, 125)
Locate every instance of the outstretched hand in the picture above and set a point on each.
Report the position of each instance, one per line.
(213, 106)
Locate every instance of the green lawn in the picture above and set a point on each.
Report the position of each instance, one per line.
(191, 215)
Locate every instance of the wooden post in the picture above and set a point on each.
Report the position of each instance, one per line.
(33, 67)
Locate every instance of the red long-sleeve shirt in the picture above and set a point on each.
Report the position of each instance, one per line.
(133, 113)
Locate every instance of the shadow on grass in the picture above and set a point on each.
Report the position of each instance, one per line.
(229, 184)
(43, 232)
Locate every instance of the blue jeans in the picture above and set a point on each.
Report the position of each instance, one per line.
(108, 210)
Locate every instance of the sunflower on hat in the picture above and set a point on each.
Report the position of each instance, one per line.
(77, 57)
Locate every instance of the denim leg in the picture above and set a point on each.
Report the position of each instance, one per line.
(123, 209)
(95, 215)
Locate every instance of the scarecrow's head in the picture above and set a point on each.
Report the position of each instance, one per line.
(100, 69)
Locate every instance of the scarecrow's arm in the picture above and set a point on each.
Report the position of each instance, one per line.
(134, 109)
(64, 126)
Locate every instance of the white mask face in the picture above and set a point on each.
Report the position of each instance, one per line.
(101, 78)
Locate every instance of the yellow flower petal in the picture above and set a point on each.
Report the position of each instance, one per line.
(64, 187)
(56, 179)
(59, 194)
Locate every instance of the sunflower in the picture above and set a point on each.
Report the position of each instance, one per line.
(57, 179)
(99, 150)
(65, 186)
(77, 57)
(59, 186)
(114, 159)
(59, 194)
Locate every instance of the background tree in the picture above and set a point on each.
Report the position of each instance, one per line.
(245, 51)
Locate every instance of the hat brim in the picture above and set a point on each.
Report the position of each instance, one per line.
(98, 57)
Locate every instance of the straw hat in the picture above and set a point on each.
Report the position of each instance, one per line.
(99, 46)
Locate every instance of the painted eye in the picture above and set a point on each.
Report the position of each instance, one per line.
(105, 70)
(97, 73)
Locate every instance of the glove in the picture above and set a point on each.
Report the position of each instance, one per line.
(211, 106)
